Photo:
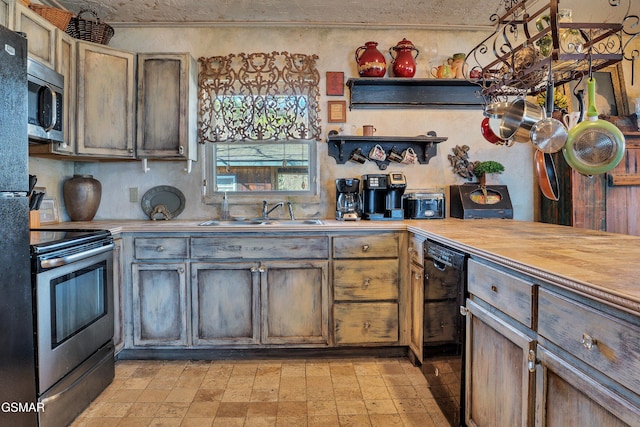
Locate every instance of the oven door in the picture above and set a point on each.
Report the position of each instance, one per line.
(74, 315)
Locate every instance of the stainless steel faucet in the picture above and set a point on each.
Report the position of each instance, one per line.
(290, 207)
(266, 211)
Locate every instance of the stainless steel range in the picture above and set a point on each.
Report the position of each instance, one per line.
(72, 277)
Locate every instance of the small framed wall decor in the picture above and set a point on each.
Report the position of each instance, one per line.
(335, 83)
(337, 111)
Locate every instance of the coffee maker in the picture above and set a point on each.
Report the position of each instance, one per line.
(348, 201)
(382, 196)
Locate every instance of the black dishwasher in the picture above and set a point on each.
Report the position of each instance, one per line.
(444, 328)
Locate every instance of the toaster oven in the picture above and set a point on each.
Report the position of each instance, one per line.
(424, 205)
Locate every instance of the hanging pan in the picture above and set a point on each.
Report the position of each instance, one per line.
(594, 146)
(547, 178)
(549, 135)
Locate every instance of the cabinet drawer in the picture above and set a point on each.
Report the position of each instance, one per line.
(375, 246)
(262, 248)
(509, 294)
(161, 247)
(365, 280)
(615, 343)
(416, 253)
(366, 323)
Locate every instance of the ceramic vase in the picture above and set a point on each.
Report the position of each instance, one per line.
(82, 194)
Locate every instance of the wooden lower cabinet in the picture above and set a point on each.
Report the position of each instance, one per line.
(224, 298)
(274, 302)
(416, 305)
(567, 396)
(499, 385)
(159, 304)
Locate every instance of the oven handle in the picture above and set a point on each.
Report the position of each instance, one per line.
(58, 262)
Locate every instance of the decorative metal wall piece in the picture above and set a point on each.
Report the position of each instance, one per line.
(259, 97)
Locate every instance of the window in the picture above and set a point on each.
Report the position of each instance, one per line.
(259, 118)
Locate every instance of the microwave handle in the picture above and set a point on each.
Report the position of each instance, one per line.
(54, 110)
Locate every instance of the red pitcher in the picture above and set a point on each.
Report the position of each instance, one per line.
(370, 60)
(404, 63)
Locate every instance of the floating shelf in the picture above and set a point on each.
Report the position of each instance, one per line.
(340, 147)
(381, 92)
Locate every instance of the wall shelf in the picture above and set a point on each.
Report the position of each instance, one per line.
(379, 92)
(340, 147)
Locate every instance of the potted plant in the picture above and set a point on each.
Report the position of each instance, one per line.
(481, 169)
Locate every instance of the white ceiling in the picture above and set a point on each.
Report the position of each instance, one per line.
(312, 12)
(355, 13)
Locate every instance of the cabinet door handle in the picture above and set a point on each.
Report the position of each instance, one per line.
(160, 248)
(494, 288)
(365, 284)
(365, 248)
(418, 276)
(367, 324)
(531, 364)
(588, 341)
(181, 270)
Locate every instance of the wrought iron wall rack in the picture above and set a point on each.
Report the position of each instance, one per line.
(510, 59)
(340, 147)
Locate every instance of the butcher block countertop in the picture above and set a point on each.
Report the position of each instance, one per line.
(604, 266)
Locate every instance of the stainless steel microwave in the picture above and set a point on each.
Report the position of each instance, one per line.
(46, 95)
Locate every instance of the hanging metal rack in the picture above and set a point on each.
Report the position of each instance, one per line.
(512, 62)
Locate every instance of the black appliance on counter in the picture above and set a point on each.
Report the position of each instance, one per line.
(17, 363)
(348, 201)
(72, 279)
(382, 196)
(470, 201)
(424, 205)
(444, 328)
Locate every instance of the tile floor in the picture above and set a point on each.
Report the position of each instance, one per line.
(298, 392)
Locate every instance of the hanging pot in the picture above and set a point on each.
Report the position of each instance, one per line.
(547, 178)
(594, 146)
(549, 135)
(519, 118)
(488, 133)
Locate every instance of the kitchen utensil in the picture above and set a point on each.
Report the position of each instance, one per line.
(368, 130)
(370, 60)
(487, 132)
(549, 134)
(404, 61)
(377, 153)
(409, 156)
(169, 197)
(32, 183)
(594, 146)
(547, 178)
(571, 119)
(518, 119)
(357, 156)
(496, 110)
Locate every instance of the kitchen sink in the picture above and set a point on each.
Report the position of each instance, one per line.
(260, 221)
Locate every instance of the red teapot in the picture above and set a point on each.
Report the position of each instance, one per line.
(370, 60)
(404, 62)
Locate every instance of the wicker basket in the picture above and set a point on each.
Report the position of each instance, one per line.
(58, 17)
(91, 30)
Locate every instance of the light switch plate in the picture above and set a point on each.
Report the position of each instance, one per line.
(133, 194)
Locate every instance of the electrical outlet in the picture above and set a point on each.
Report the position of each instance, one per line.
(133, 194)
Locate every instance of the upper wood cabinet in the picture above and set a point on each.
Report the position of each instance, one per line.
(6, 13)
(105, 93)
(167, 106)
(66, 65)
(41, 34)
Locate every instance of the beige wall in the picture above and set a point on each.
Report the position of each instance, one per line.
(335, 48)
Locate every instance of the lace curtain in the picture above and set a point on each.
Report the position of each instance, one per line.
(258, 97)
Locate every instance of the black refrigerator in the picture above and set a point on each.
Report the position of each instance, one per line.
(17, 365)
